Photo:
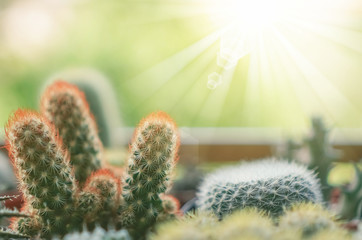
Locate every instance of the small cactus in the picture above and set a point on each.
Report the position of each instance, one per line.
(270, 185)
(245, 224)
(170, 206)
(198, 226)
(66, 107)
(153, 153)
(307, 218)
(106, 187)
(42, 169)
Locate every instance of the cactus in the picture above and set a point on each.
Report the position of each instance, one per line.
(196, 226)
(99, 234)
(42, 168)
(8, 233)
(352, 197)
(334, 234)
(170, 206)
(307, 218)
(47, 172)
(270, 185)
(66, 107)
(106, 189)
(321, 154)
(245, 224)
(153, 153)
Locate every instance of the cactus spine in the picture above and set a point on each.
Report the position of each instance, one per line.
(270, 185)
(66, 107)
(153, 154)
(43, 169)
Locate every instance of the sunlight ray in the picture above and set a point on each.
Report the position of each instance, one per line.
(332, 98)
(346, 37)
(157, 76)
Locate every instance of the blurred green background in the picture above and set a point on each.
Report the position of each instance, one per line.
(152, 54)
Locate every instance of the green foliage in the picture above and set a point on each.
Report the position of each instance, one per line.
(270, 185)
(66, 107)
(153, 153)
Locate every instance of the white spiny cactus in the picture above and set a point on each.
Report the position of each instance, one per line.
(270, 185)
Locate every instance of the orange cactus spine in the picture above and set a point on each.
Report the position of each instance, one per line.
(66, 107)
(42, 168)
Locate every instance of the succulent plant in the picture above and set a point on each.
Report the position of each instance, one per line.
(100, 199)
(42, 168)
(8, 233)
(352, 197)
(245, 224)
(197, 226)
(321, 153)
(56, 202)
(270, 185)
(66, 107)
(153, 154)
(307, 218)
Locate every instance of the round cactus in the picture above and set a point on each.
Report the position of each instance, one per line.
(66, 107)
(42, 168)
(308, 218)
(270, 185)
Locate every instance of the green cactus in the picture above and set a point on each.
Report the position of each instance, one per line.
(308, 218)
(270, 185)
(153, 153)
(106, 189)
(321, 154)
(66, 107)
(198, 226)
(99, 234)
(56, 202)
(244, 224)
(8, 233)
(352, 197)
(101, 97)
(43, 169)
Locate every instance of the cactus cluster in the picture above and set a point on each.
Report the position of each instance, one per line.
(64, 187)
(270, 185)
(251, 223)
